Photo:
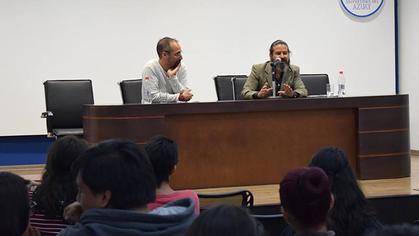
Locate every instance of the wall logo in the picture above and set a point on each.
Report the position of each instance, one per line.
(361, 8)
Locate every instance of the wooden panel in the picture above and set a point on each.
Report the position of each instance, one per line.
(389, 166)
(383, 118)
(255, 148)
(384, 142)
(137, 129)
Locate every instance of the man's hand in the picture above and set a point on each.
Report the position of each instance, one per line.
(73, 212)
(185, 95)
(30, 231)
(265, 91)
(172, 72)
(288, 91)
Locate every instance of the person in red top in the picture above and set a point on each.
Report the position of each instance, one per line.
(163, 154)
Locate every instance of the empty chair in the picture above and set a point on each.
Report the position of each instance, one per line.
(131, 90)
(224, 86)
(315, 83)
(243, 198)
(64, 101)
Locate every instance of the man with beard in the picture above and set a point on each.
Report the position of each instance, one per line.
(164, 79)
(259, 83)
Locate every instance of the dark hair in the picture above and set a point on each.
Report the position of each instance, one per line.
(351, 214)
(163, 154)
(397, 230)
(14, 205)
(277, 42)
(121, 167)
(225, 220)
(305, 195)
(58, 187)
(164, 45)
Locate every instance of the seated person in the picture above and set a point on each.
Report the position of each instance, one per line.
(306, 200)
(352, 214)
(163, 155)
(58, 187)
(164, 79)
(259, 82)
(14, 206)
(225, 220)
(116, 182)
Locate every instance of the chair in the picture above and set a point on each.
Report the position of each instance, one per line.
(315, 83)
(64, 106)
(224, 86)
(238, 84)
(131, 90)
(243, 198)
(273, 224)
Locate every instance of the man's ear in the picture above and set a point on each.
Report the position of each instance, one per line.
(104, 199)
(332, 201)
(173, 170)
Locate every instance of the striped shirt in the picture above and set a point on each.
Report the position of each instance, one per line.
(44, 224)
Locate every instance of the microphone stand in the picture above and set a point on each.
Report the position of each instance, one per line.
(276, 84)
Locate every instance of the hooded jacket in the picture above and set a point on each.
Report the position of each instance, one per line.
(171, 219)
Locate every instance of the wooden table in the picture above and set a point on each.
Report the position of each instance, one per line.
(235, 143)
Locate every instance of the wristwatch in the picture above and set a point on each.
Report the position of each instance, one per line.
(255, 96)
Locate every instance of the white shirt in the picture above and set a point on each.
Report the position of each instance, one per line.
(157, 87)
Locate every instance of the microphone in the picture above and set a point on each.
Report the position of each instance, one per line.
(276, 62)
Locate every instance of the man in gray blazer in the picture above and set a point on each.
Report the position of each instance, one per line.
(259, 83)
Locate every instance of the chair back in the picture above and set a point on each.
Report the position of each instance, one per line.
(64, 101)
(243, 198)
(273, 224)
(224, 86)
(238, 84)
(131, 90)
(315, 83)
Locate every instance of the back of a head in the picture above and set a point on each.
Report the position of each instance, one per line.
(163, 154)
(121, 167)
(58, 187)
(335, 163)
(62, 154)
(305, 194)
(14, 205)
(351, 214)
(225, 220)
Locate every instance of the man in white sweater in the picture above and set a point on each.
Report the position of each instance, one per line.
(164, 79)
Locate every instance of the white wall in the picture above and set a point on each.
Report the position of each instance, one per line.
(409, 66)
(110, 40)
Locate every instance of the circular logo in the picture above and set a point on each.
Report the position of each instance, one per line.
(361, 8)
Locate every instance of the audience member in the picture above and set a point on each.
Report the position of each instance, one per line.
(164, 79)
(259, 83)
(163, 154)
(352, 213)
(116, 182)
(397, 230)
(58, 187)
(14, 206)
(306, 200)
(225, 220)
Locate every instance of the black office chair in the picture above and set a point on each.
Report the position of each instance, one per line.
(64, 101)
(238, 84)
(315, 83)
(131, 90)
(224, 86)
(243, 198)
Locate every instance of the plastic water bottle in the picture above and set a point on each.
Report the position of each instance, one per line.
(341, 84)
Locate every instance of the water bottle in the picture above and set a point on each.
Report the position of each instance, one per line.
(341, 84)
